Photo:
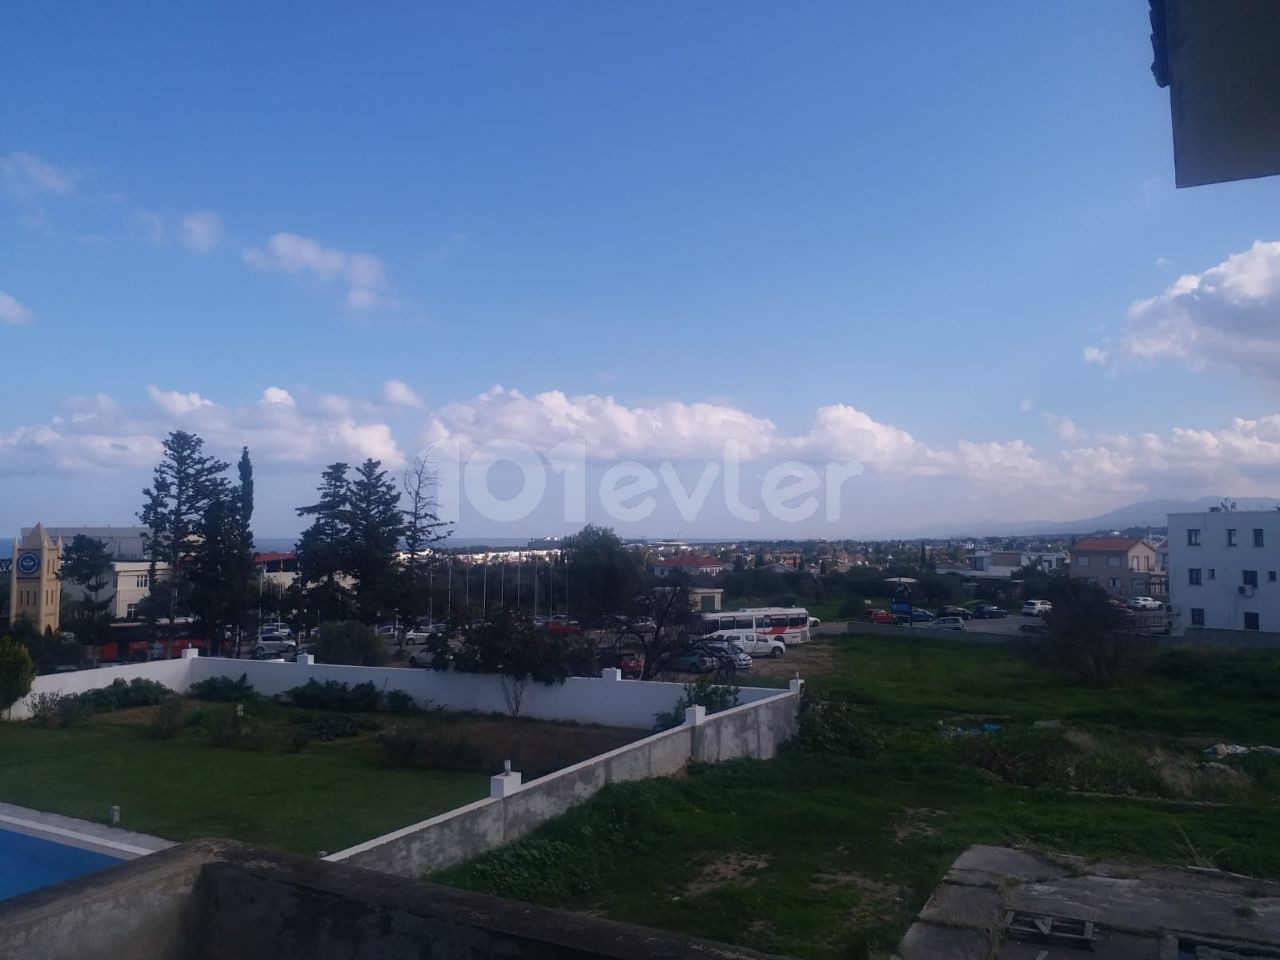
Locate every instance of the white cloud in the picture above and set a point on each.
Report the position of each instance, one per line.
(1064, 427)
(292, 253)
(200, 231)
(176, 403)
(26, 175)
(674, 430)
(97, 433)
(400, 394)
(11, 311)
(1095, 355)
(278, 395)
(1026, 404)
(1227, 315)
(1164, 263)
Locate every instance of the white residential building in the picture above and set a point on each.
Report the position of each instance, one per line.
(1223, 570)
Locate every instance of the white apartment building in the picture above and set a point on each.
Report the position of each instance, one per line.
(1223, 570)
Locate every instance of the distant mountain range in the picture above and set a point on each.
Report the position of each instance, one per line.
(1146, 513)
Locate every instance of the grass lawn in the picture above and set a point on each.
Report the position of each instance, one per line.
(326, 797)
(821, 855)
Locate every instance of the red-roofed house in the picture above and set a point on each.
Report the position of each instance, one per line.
(1123, 566)
(688, 564)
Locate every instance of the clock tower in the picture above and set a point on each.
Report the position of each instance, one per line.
(34, 588)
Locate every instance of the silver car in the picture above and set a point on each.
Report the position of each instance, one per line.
(736, 655)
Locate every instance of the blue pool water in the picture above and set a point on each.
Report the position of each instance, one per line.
(29, 863)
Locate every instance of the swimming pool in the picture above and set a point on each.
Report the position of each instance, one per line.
(29, 863)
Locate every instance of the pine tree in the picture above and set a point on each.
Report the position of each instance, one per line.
(376, 526)
(185, 482)
(322, 548)
(422, 528)
(86, 562)
(222, 571)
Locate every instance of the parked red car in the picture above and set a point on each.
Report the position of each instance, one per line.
(880, 616)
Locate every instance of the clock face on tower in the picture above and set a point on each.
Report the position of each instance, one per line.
(28, 564)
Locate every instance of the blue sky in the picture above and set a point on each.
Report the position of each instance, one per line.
(832, 231)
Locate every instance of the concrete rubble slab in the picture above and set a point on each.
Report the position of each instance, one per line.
(1136, 911)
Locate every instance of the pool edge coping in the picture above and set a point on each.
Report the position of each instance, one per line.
(84, 834)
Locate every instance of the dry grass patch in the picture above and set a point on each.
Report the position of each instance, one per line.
(732, 869)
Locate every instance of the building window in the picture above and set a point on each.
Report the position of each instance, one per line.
(1193, 537)
(143, 581)
(1193, 576)
(1231, 536)
(1197, 616)
(1113, 561)
(1211, 573)
(1251, 620)
(1082, 560)
(1271, 576)
(1113, 583)
(131, 612)
(1257, 537)
(1249, 578)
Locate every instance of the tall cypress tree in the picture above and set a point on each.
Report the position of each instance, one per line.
(185, 482)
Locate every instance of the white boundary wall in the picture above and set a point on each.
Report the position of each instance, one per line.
(608, 700)
(174, 674)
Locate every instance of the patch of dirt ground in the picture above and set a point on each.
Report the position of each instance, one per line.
(876, 898)
(732, 868)
(915, 822)
(808, 659)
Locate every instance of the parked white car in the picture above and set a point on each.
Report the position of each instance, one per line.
(945, 623)
(1144, 603)
(273, 644)
(1036, 608)
(758, 646)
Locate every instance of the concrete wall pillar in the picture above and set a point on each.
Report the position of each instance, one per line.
(306, 659)
(694, 715)
(610, 673)
(190, 653)
(795, 685)
(504, 784)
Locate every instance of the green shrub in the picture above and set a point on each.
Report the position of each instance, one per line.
(167, 719)
(329, 727)
(837, 727)
(224, 690)
(122, 695)
(400, 702)
(44, 707)
(703, 692)
(333, 695)
(433, 751)
(16, 672)
(227, 729)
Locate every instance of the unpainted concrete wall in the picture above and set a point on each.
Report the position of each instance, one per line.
(751, 730)
(145, 908)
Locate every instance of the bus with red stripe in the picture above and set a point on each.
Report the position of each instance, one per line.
(788, 624)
